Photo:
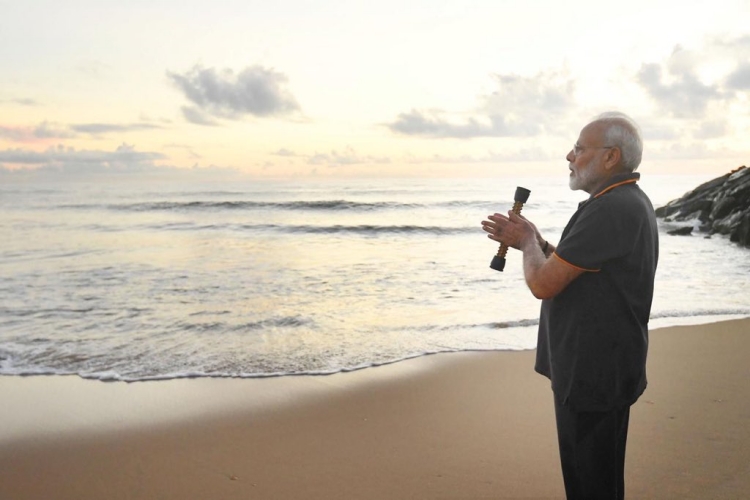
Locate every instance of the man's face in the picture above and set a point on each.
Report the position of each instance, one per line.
(586, 167)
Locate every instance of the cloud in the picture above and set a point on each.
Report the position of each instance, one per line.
(50, 130)
(347, 157)
(189, 150)
(47, 130)
(255, 91)
(104, 128)
(740, 78)
(685, 96)
(44, 130)
(738, 47)
(195, 115)
(691, 83)
(334, 158)
(62, 160)
(518, 155)
(712, 129)
(285, 152)
(23, 157)
(93, 68)
(23, 102)
(683, 151)
(60, 163)
(699, 94)
(15, 134)
(529, 105)
(519, 107)
(656, 130)
(435, 125)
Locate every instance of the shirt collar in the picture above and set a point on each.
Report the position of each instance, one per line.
(613, 182)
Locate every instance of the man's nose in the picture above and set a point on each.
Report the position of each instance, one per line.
(570, 157)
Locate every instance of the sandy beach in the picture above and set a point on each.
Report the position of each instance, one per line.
(449, 426)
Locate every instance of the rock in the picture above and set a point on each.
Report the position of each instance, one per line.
(742, 234)
(722, 205)
(682, 231)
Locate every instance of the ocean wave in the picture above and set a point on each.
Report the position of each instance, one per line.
(311, 205)
(499, 325)
(7, 368)
(515, 324)
(17, 360)
(44, 313)
(377, 229)
(365, 229)
(669, 314)
(268, 323)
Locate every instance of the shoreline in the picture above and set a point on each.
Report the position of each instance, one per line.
(657, 323)
(456, 425)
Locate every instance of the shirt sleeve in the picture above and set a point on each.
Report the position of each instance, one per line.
(602, 232)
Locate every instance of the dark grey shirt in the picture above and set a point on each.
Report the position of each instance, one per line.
(593, 336)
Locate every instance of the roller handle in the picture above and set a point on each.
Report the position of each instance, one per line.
(498, 261)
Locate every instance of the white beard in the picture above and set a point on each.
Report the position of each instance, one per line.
(583, 178)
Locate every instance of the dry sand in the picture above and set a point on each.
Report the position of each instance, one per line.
(449, 426)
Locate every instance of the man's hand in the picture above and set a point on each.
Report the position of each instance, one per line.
(545, 277)
(513, 230)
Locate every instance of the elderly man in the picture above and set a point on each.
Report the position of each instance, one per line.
(597, 285)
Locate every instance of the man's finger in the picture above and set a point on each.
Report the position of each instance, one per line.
(497, 217)
(514, 217)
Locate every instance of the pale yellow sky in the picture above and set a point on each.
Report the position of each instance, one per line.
(342, 88)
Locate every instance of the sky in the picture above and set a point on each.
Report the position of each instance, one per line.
(329, 88)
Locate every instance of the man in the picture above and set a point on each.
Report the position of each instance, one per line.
(597, 285)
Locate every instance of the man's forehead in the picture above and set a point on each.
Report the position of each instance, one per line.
(592, 131)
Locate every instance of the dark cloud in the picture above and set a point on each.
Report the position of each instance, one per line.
(519, 107)
(255, 91)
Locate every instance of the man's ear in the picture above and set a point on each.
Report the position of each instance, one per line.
(612, 158)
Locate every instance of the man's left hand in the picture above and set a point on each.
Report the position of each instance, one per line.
(512, 230)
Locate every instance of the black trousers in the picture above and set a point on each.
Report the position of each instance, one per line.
(592, 452)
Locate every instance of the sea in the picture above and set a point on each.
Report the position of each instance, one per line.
(137, 281)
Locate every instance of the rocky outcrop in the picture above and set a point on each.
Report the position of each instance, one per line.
(681, 231)
(721, 205)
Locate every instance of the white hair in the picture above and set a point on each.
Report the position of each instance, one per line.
(622, 131)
